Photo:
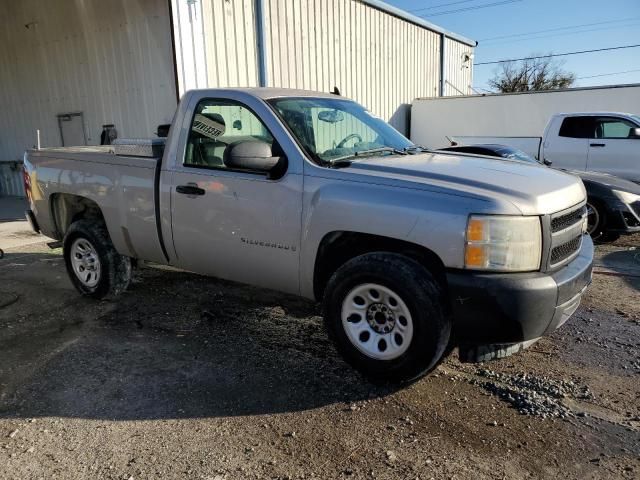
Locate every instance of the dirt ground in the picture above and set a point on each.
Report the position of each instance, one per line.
(192, 377)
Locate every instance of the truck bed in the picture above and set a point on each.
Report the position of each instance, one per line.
(95, 154)
(124, 187)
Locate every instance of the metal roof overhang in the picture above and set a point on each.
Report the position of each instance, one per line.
(421, 22)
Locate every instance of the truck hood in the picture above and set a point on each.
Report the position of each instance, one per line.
(533, 189)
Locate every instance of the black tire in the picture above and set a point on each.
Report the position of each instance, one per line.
(607, 237)
(598, 231)
(419, 291)
(115, 269)
(597, 216)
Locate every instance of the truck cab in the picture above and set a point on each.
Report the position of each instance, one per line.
(606, 142)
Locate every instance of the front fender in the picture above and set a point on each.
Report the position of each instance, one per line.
(434, 220)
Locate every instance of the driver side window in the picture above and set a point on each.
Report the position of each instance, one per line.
(610, 127)
(216, 127)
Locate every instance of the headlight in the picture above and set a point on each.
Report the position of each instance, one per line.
(626, 197)
(503, 243)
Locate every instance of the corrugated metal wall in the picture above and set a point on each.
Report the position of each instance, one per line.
(375, 58)
(111, 60)
(458, 68)
(11, 179)
(230, 39)
(215, 43)
(189, 40)
(372, 56)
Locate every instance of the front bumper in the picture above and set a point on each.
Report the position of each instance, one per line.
(496, 315)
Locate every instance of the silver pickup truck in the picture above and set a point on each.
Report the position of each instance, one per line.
(411, 252)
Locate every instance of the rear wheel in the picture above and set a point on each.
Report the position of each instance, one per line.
(94, 266)
(386, 315)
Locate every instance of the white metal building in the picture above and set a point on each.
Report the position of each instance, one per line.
(68, 67)
(522, 114)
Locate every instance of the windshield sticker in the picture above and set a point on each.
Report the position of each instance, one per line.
(207, 127)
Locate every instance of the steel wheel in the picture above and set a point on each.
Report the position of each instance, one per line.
(85, 262)
(377, 321)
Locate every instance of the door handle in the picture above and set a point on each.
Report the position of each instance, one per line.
(598, 144)
(190, 190)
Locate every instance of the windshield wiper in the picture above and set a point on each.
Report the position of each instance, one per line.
(415, 149)
(347, 159)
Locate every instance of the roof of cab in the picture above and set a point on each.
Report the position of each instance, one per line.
(593, 114)
(266, 93)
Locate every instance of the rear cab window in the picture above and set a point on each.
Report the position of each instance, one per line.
(577, 127)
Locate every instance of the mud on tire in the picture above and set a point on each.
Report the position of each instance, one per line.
(416, 290)
(114, 269)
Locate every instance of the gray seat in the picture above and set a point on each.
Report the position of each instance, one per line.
(213, 152)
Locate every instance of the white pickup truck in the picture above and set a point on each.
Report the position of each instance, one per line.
(410, 251)
(605, 142)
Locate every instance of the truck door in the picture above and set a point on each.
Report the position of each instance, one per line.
(566, 145)
(614, 148)
(229, 221)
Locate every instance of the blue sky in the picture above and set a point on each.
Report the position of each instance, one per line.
(512, 17)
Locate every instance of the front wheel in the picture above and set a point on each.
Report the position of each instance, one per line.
(387, 317)
(94, 266)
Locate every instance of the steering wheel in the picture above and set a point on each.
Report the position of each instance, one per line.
(347, 138)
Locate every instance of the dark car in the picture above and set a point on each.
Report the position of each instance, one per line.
(613, 203)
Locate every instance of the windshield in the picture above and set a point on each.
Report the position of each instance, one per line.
(636, 118)
(332, 129)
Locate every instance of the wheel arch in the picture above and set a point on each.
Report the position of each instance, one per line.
(338, 247)
(67, 208)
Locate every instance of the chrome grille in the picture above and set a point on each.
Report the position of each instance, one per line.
(566, 236)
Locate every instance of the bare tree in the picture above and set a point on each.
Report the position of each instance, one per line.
(534, 74)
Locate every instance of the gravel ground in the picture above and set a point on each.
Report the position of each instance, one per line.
(191, 377)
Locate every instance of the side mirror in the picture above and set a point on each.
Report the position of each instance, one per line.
(255, 156)
(548, 163)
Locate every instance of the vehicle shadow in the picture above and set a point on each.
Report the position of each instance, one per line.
(625, 264)
(176, 345)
